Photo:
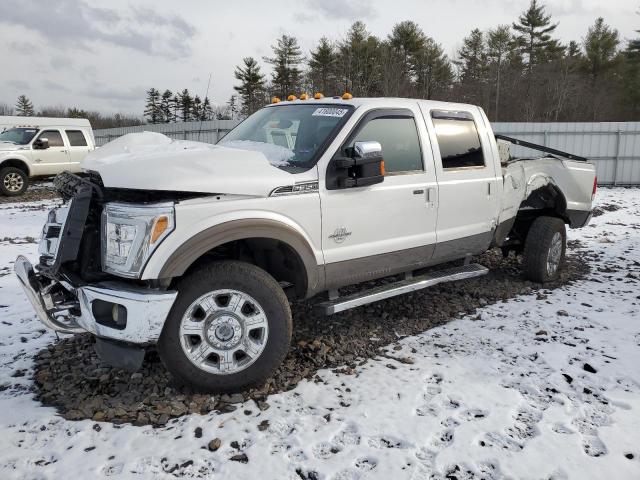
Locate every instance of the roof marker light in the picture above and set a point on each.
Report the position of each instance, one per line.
(318, 96)
(275, 100)
(291, 98)
(304, 96)
(347, 96)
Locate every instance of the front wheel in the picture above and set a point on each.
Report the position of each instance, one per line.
(13, 181)
(229, 328)
(544, 249)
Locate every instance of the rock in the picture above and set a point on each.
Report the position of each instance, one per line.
(562, 313)
(589, 368)
(262, 405)
(98, 416)
(242, 458)
(234, 398)
(568, 378)
(263, 425)
(214, 444)
(198, 432)
(541, 332)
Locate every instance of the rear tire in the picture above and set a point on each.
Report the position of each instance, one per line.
(228, 330)
(13, 181)
(544, 249)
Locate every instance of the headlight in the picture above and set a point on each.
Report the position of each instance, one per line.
(131, 233)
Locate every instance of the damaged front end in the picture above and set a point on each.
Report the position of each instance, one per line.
(69, 288)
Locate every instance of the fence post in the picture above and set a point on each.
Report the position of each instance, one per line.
(546, 138)
(617, 157)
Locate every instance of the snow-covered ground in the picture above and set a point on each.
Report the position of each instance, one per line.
(541, 386)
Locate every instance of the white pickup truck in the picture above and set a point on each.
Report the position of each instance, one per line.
(197, 249)
(40, 146)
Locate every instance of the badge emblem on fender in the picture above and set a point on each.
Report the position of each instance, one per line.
(340, 235)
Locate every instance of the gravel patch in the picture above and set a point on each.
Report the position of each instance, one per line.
(69, 376)
(37, 190)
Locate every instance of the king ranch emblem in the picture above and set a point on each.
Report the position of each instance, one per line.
(340, 235)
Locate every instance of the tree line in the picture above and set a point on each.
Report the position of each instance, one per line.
(24, 108)
(517, 72)
(168, 107)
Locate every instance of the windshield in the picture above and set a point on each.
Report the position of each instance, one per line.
(290, 136)
(18, 136)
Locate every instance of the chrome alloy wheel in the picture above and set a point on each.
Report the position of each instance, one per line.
(13, 182)
(555, 254)
(224, 331)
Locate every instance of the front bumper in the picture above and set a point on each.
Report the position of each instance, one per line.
(109, 310)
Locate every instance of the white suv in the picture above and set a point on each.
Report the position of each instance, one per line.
(34, 147)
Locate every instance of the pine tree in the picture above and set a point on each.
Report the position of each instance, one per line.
(175, 107)
(152, 110)
(534, 29)
(232, 107)
(406, 40)
(432, 69)
(207, 110)
(499, 43)
(196, 109)
(185, 104)
(359, 55)
(323, 68)
(24, 107)
(77, 113)
(600, 46)
(166, 107)
(472, 58)
(286, 77)
(252, 87)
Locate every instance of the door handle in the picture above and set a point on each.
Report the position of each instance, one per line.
(431, 195)
(418, 192)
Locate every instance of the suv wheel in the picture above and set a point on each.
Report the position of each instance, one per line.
(229, 328)
(544, 249)
(13, 181)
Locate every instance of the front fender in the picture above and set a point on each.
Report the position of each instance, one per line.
(175, 255)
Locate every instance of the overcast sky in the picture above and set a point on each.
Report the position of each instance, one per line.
(104, 55)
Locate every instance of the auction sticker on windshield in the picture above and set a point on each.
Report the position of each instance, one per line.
(330, 112)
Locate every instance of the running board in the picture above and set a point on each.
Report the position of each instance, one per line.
(407, 285)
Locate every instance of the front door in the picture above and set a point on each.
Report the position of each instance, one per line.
(52, 160)
(375, 231)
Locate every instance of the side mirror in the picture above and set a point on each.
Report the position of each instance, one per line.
(362, 166)
(41, 143)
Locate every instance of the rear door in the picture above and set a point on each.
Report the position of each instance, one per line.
(78, 148)
(468, 184)
(52, 160)
(374, 231)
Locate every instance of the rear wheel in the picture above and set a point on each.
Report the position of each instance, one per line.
(229, 328)
(544, 249)
(13, 181)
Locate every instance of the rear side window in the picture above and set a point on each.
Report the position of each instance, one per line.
(458, 140)
(398, 137)
(76, 138)
(54, 137)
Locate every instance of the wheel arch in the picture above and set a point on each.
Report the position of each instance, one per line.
(16, 163)
(271, 245)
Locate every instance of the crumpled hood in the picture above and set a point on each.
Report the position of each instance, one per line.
(152, 161)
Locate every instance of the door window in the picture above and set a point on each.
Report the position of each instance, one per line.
(76, 138)
(458, 140)
(54, 137)
(398, 137)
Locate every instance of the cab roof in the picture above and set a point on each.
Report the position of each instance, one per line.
(382, 102)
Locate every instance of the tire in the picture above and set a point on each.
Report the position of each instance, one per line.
(13, 181)
(544, 249)
(205, 319)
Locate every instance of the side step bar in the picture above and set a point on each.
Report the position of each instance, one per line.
(407, 285)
